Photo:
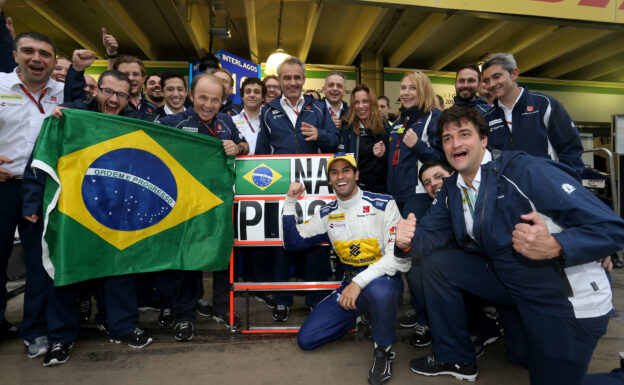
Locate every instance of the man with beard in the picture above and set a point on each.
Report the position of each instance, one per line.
(360, 226)
(466, 85)
(118, 313)
(154, 90)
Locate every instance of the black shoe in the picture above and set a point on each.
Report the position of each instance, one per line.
(166, 318)
(137, 339)
(102, 326)
(480, 343)
(57, 354)
(183, 331)
(8, 330)
(428, 366)
(224, 318)
(409, 319)
(85, 311)
(267, 299)
(621, 360)
(381, 371)
(203, 308)
(280, 313)
(421, 336)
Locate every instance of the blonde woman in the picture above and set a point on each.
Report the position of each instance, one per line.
(413, 141)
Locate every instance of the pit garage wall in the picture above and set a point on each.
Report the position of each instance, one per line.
(584, 101)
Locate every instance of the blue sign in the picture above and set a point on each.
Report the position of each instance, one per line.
(238, 67)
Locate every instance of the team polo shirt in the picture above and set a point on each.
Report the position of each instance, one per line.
(249, 127)
(21, 117)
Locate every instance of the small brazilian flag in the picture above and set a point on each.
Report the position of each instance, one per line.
(262, 176)
(125, 196)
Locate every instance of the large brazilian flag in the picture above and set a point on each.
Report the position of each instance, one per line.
(126, 196)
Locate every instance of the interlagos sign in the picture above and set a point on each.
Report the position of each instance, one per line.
(608, 11)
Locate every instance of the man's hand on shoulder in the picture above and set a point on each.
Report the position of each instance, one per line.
(406, 228)
(295, 190)
(349, 295)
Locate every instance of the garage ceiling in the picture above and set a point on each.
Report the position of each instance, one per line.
(330, 32)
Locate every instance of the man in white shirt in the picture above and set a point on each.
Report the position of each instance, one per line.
(252, 92)
(28, 96)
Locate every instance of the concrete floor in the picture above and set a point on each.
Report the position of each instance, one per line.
(216, 356)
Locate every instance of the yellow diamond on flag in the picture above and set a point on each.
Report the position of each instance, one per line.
(129, 188)
(262, 176)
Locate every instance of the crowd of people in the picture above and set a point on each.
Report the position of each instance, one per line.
(530, 256)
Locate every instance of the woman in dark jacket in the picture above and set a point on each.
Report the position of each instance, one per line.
(366, 136)
(413, 141)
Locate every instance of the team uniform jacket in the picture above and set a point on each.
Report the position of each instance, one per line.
(540, 127)
(403, 182)
(146, 110)
(221, 127)
(477, 103)
(278, 136)
(515, 184)
(373, 170)
(343, 112)
(230, 109)
(361, 231)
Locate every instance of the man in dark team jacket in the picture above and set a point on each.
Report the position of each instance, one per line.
(522, 120)
(529, 235)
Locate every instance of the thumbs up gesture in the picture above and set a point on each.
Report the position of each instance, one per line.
(110, 43)
(534, 240)
(405, 232)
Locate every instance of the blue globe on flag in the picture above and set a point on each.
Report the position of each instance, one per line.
(262, 176)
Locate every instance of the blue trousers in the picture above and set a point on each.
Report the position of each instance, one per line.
(418, 205)
(186, 289)
(10, 219)
(37, 283)
(555, 350)
(328, 321)
(117, 304)
(63, 316)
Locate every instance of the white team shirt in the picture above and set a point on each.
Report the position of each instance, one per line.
(243, 127)
(20, 118)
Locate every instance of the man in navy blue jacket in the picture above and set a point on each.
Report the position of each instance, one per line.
(296, 124)
(117, 310)
(207, 94)
(529, 236)
(522, 120)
